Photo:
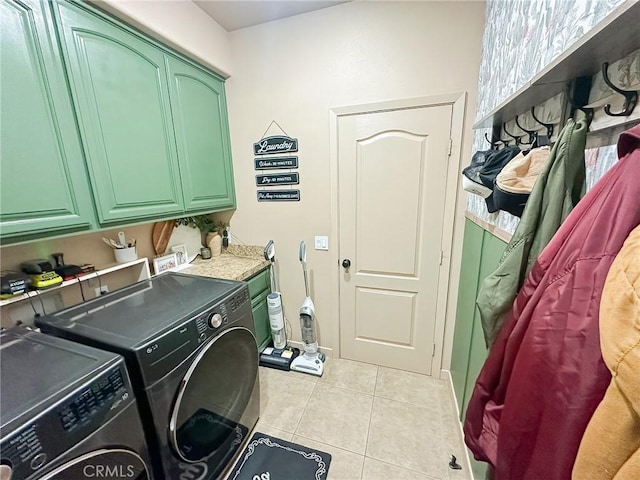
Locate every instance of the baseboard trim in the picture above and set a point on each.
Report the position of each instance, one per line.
(446, 375)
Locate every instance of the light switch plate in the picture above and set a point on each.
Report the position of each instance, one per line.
(322, 242)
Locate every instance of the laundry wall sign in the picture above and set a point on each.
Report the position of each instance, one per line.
(277, 179)
(278, 195)
(275, 144)
(275, 163)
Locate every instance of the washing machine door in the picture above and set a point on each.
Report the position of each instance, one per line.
(103, 463)
(214, 395)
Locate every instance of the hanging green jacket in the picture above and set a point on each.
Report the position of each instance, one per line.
(559, 187)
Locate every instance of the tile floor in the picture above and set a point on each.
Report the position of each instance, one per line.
(376, 422)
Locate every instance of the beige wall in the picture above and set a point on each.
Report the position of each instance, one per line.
(294, 70)
(178, 23)
(78, 249)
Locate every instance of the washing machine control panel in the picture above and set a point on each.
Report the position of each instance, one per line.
(33, 446)
(218, 316)
(168, 351)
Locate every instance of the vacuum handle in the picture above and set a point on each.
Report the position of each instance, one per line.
(303, 260)
(303, 253)
(269, 252)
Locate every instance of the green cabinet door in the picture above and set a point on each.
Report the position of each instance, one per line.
(43, 181)
(201, 129)
(261, 320)
(259, 289)
(119, 85)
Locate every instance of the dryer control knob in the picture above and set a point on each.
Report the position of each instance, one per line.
(215, 320)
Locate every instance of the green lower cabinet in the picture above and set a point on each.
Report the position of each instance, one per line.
(43, 179)
(480, 255)
(261, 320)
(200, 123)
(259, 289)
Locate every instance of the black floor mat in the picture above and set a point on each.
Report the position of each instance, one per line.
(267, 457)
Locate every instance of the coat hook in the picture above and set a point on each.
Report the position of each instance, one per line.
(630, 96)
(548, 126)
(532, 133)
(486, 137)
(493, 143)
(517, 139)
(588, 112)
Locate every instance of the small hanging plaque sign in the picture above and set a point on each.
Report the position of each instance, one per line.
(278, 195)
(275, 163)
(275, 144)
(277, 179)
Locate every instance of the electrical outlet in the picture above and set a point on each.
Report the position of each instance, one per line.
(101, 290)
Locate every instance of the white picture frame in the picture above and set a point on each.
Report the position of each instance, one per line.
(165, 263)
(182, 257)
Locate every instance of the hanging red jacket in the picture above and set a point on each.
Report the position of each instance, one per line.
(544, 376)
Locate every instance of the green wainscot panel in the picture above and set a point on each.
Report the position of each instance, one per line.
(492, 250)
(480, 256)
(43, 181)
(469, 271)
(201, 129)
(120, 90)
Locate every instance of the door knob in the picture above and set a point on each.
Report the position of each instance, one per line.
(346, 263)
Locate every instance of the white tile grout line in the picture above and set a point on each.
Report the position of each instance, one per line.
(331, 444)
(373, 399)
(295, 430)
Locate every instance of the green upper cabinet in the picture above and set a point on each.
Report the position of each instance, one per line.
(118, 81)
(103, 126)
(201, 129)
(43, 181)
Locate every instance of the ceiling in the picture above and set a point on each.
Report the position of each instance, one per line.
(235, 14)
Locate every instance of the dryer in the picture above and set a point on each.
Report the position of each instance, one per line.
(67, 412)
(190, 348)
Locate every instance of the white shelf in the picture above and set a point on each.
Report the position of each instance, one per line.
(143, 262)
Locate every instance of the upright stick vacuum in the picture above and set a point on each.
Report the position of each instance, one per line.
(311, 361)
(274, 301)
(280, 355)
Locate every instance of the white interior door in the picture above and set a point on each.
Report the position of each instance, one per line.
(392, 177)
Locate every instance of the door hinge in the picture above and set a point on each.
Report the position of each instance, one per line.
(433, 353)
(441, 257)
(450, 147)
